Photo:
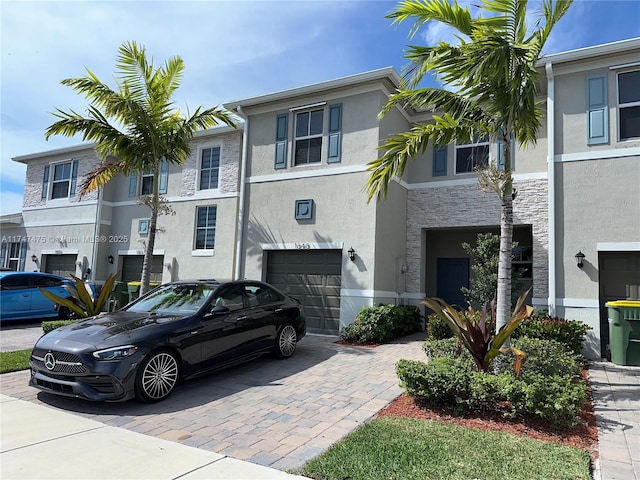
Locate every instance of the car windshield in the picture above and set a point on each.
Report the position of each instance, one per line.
(177, 299)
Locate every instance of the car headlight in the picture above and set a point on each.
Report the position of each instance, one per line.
(115, 353)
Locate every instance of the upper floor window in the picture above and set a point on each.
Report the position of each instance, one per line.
(146, 187)
(308, 137)
(209, 168)
(143, 184)
(473, 155)
(206, 218)
(309, 132)
(629, 104)
(61, 182)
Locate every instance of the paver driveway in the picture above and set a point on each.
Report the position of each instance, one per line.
(270, 412)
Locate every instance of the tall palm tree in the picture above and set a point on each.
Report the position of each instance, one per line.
(491, 75)
(135, 127)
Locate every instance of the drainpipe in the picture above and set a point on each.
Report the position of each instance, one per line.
(96, 235)
(243, 180)
(551, 186)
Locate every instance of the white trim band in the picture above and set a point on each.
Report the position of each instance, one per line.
(303, 246)
(618, 246)
(598, 154)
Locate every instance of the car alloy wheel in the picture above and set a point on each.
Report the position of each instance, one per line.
(287, 340)
(157, 377)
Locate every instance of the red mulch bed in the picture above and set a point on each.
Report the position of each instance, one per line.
(584, 435)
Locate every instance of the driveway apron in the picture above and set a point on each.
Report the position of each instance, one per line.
(277, 413)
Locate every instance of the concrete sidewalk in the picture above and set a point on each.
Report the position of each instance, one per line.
(40, 442)
(616, 403)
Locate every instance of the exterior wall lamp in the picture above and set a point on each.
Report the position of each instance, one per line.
(110, 259)
(34, 259)
(352, 254)
(580, 259)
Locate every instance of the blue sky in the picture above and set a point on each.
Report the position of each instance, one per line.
(232, 50)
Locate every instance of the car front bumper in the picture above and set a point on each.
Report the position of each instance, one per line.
(82, 377)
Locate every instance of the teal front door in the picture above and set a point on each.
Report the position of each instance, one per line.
(452, 275)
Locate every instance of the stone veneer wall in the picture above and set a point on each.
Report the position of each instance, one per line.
(467, 206)
(230, 145)
(35, 173)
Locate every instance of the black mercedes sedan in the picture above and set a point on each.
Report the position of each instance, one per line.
(174, 332)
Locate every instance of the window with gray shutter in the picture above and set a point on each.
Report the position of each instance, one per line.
(282, 126)
(335, 133)
(440, 161)
(597, 113)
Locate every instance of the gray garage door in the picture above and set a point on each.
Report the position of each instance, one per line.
(312, 276)
(132, 268)
(63, 265)
(617, 270)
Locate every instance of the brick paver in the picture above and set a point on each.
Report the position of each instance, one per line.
(616, 403)
(278, 413)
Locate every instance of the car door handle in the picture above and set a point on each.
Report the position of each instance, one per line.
(242, 318)
(195, 332)
(278, 310)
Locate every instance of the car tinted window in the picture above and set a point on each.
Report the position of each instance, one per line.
(178, 299)
(231, 297)
(14, 282)
(46, 282)
(261, 294)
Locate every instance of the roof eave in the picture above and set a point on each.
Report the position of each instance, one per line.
(382, 73)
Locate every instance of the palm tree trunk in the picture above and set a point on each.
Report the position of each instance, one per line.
(503, 308)
(153, 221)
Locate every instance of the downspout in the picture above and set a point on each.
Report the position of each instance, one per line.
(96, 236)
(551, 186)
(241, 204)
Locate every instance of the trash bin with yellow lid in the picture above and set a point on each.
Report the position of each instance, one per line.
(624, 331)
(134, 289)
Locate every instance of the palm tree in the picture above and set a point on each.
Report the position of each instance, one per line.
(491, 75)
(135, 127)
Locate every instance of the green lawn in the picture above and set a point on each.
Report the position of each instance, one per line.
(13, 361)
(393, 448)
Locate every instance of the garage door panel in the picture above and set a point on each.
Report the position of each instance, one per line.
(314, 277)
(63, 265)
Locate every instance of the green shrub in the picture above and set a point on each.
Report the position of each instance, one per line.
(407, 320)
(448, 347)
(382, 324)
(52, 325)
(541, 325)
(453, 384)
(557, 399)
(443, 381)
(544, 357)
(437, 328)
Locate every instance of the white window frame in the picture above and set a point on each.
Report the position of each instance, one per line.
(622, 106)
(309, 136)
(199, 168)
(11, 257)
(485, 142)
(205, 227)
(53, 181)
(141, 189)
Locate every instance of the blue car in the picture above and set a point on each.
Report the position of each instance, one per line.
(20, 298)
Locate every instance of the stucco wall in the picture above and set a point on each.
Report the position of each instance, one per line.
(597, 201)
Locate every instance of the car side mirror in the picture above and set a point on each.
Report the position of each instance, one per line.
(219, 310)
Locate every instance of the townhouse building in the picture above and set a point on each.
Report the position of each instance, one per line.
(282, 199)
